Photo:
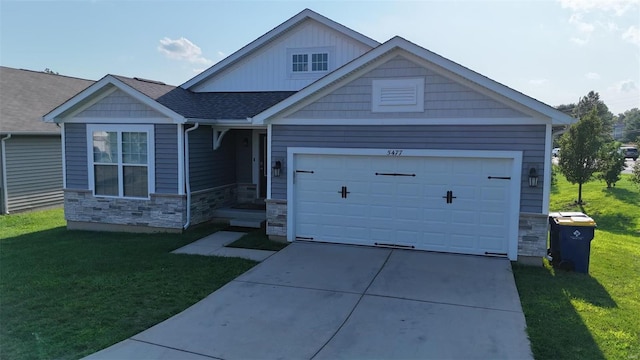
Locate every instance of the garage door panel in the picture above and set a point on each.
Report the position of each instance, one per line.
(404, 210)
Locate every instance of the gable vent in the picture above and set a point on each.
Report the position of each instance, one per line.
(398, 95)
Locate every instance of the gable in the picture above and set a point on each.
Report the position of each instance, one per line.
(270, 67)
(440, 97)
(119, 104)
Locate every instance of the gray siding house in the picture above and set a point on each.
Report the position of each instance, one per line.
(345, 139)
(30, 150)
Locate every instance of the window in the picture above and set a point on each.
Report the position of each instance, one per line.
(309, 61)
(121, 160)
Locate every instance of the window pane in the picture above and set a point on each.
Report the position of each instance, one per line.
(105, 147)
(135, 181)
(300, 62)
(319, 62)
(106, 179)
(134, 148)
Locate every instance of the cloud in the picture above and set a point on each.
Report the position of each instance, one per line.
(632, 35)
(625, 86)
(182, 49)
(592, 76)
(582, 26)
(618, 7)
(538, 81)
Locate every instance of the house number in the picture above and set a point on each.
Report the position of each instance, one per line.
(394, 152)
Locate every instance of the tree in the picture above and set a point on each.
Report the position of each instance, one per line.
(635, 175)
(610, 163)
(631, 119)
(590, 102)
(580, 146)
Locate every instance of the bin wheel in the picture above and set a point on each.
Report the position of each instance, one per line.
(566, 265)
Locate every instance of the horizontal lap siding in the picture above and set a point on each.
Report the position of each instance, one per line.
(526, 138)
(166, 147)
(34, 172)
(209, 168)
(118, 105)
(76, 156)
(443, 97)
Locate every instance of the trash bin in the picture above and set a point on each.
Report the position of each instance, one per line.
(570, 240)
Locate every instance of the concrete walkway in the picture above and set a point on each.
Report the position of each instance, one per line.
(214, 245)
(329, 301)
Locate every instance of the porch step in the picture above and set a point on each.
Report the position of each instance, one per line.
(229, 213)
(247, 223)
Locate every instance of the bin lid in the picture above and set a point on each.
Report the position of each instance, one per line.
(567, 214)
(575, 221)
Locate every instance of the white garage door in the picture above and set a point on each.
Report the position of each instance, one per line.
(449, 204)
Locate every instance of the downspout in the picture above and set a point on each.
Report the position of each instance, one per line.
(5, 193)
(186, 173)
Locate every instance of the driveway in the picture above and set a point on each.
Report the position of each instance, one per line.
(326, 301)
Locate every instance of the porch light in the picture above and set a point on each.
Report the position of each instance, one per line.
(276, 169)
(533, 177)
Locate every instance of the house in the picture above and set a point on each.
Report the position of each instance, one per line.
(30, 150)
(346, 139)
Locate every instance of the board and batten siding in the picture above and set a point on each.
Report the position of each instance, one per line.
(268, 68)
(211, 168)
(76, 156)
(443, 97)
(119, 105)
(34, 172)
(526, 138)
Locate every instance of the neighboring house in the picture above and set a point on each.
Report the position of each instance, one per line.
(31, 151)
(347, 140)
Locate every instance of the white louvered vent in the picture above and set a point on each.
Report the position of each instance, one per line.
(398, 95)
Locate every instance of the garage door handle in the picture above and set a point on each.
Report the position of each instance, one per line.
(344, 192)
(449, 197)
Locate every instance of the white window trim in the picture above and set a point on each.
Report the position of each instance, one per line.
(329, 50)
(406, 85)
(151, 173)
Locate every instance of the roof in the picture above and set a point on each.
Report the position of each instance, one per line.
(398, 43)
(304, 15)
(27, 95)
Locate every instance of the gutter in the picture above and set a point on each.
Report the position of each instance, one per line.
(5, 193)
(186, 174)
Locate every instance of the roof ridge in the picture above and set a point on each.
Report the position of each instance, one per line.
(46, 73)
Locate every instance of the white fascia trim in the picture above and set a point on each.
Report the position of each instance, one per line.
(232, 123)
(515, 184)
(369, 59)
(106, 81)
(120, 120)
(412, 121)
(274, 33)
(546, 188)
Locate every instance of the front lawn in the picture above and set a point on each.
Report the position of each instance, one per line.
(66, 294)
(595, 316)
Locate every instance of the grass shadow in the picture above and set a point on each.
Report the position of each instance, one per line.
(624, 195)
(554, 326)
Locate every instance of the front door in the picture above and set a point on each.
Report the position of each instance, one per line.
(263, 166)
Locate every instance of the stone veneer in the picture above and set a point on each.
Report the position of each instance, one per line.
(276, 219)
(246, 193)
(160, 211)
(533, 232)
(204, 202)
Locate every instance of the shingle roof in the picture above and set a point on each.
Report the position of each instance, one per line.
(209, 105)
(25, 96)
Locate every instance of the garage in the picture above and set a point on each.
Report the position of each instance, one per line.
(448, 201)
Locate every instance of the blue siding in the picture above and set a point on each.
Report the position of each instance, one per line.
(76, 156)
(166, 147)
(526, 138)
(209, 168)
(443, 97)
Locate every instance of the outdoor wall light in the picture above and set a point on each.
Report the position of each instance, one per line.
(277, 168)
(533, 177)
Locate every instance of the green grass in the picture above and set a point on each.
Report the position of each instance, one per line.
(595, 316)
(257, 239)
(66, 294)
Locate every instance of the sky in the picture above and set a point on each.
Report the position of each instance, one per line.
(555, 51)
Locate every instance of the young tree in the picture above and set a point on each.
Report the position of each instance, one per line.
(635, 176)
(610, 163)
(590, 102)
(580, 146)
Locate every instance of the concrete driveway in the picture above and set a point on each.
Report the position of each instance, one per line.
(326, 301)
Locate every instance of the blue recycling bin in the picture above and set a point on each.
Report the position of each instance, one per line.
(570, 239)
